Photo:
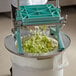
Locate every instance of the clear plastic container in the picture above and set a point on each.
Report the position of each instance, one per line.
(33, 67)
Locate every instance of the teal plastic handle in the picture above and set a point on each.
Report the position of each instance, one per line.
(57, 34)
(61, 44)
(19, 42)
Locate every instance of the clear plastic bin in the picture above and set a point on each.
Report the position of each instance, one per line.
(43, 67)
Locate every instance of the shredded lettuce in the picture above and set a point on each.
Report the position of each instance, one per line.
(39, 44)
